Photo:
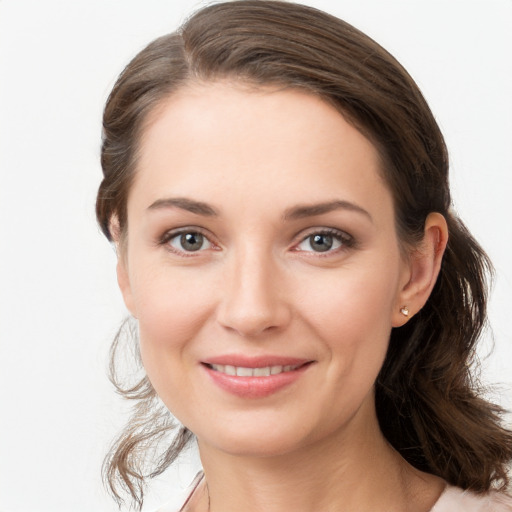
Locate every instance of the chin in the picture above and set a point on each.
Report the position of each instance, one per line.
(261, 445)
(261, 438)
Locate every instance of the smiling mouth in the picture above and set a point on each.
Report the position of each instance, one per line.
(241, 371)
(253, 380)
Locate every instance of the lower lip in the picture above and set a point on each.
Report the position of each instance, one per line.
(255, 387)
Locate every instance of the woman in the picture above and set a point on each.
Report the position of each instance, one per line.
(307, 301)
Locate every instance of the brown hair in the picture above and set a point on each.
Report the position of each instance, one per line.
(428, 400)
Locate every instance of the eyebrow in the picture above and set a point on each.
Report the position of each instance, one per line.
(297, 212)
(183, 203)
(302, 211)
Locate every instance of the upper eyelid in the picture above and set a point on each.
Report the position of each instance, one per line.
(170, 234)
(348, 241)
(325, 231)
(297, 239)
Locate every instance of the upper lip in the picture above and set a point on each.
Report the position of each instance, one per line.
(255, 361)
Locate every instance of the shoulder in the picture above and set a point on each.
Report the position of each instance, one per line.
(454, 499)
(179, 503)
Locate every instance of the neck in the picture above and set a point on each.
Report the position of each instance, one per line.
(353, 469)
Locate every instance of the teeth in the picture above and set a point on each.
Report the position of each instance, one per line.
(241, 371)
(274, 370)
(262, 372)
(229, 370)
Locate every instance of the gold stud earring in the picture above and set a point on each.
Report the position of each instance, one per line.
(404, 310)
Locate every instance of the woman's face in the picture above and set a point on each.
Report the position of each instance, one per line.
(263, 266)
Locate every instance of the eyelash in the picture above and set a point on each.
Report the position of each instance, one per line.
(171, 235)
(345, 240)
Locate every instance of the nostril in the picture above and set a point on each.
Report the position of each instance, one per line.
(252, 302)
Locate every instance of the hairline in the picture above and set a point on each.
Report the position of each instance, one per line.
(249, 85)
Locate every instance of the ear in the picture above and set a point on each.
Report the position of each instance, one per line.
(421, 270)
(123, 276)
(123, 280)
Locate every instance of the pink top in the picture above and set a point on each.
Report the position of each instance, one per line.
(452, 499)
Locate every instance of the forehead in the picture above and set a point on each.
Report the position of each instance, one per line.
(213, 139)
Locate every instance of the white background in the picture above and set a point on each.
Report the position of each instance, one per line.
(59, 304)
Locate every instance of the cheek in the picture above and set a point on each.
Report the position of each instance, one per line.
(352, 314)
(172, 306)
(353, 322)
(352, 299)
(169, 299)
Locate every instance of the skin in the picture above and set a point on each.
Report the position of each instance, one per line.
(258, 159)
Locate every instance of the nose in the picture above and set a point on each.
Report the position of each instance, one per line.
(253, 301)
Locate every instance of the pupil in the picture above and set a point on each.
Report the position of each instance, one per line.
(321, 243)
(191, 241)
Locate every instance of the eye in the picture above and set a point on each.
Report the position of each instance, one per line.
(188, 241)
(325, 241)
